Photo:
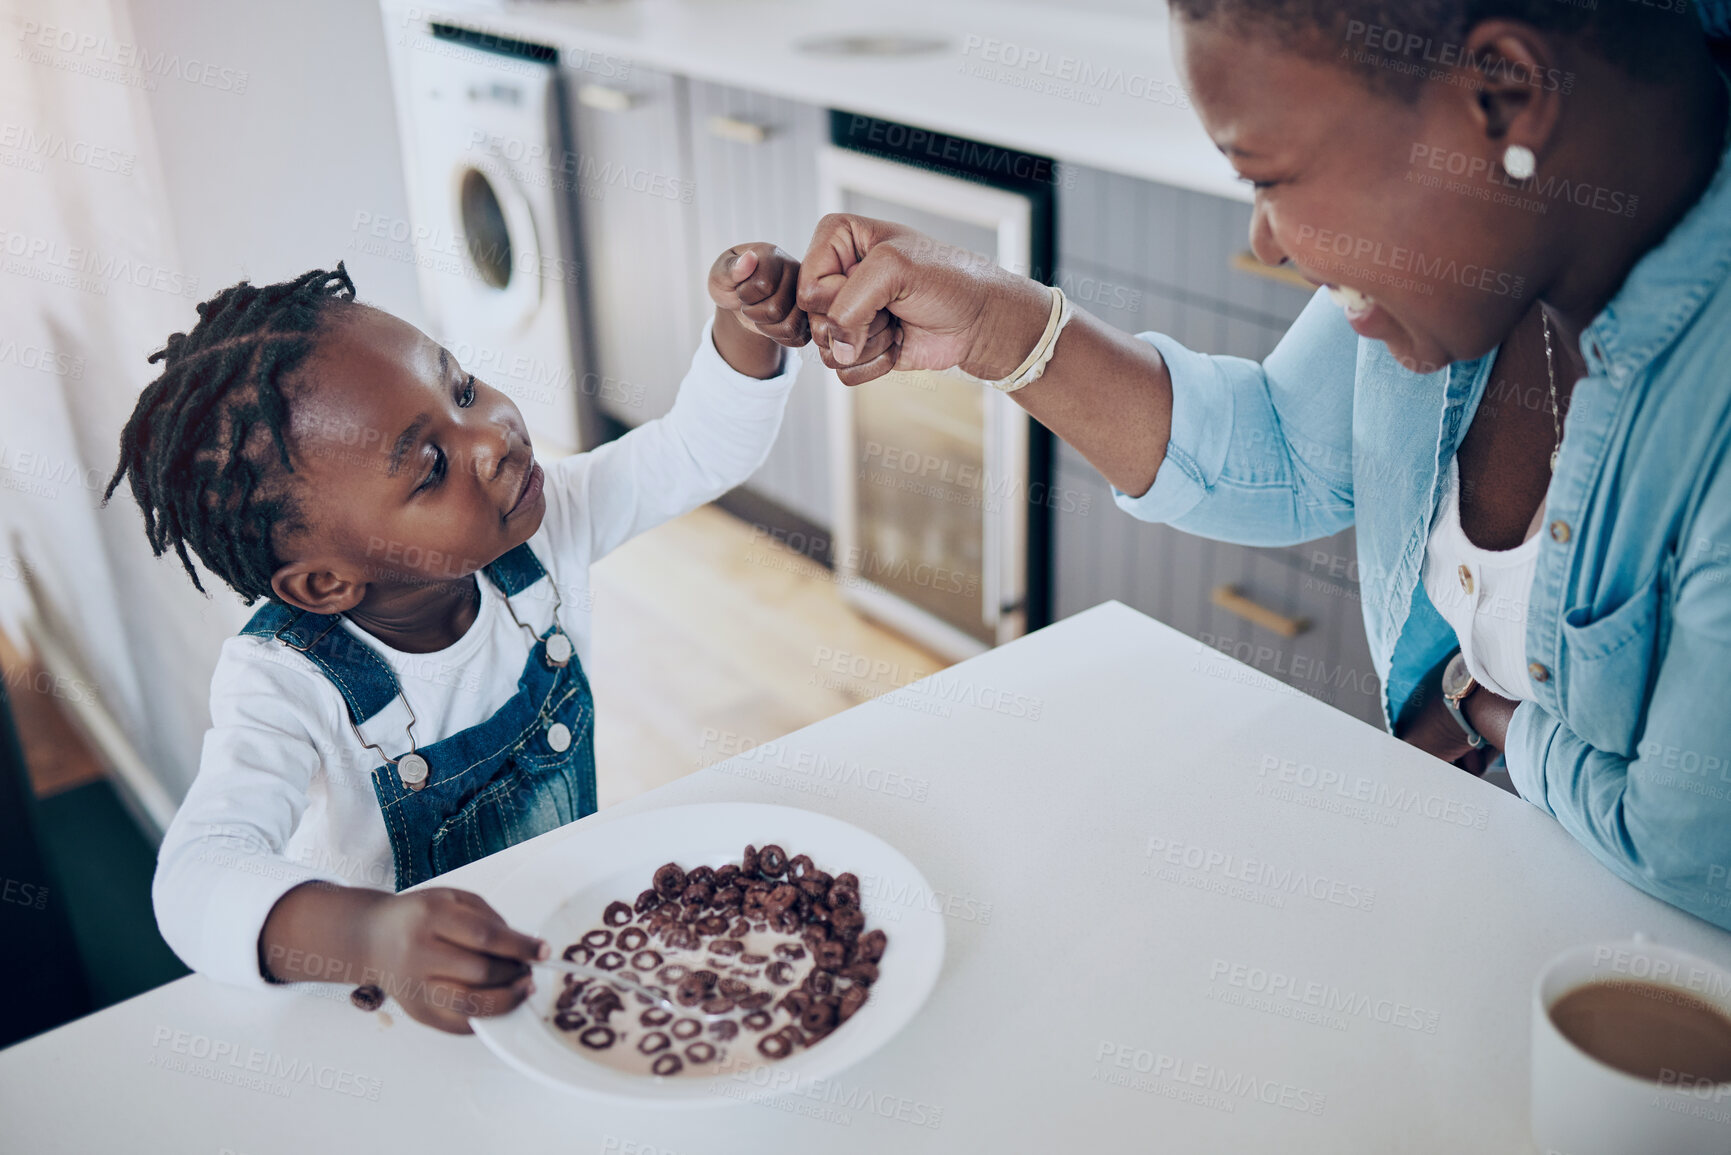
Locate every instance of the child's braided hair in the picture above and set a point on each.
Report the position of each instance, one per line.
(203, 471)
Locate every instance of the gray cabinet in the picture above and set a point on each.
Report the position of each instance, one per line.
(754, 163)
(1144, 256)
(629, 183)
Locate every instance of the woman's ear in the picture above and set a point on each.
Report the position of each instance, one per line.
(1519, 84)
(311, 587)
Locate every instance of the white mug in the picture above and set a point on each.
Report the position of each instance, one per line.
(1582, 1106)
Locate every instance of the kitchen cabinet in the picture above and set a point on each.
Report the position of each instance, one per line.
(754, 165)
(1143, 257)
(629, 186)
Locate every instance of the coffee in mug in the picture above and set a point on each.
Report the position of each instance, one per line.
(1631, 1052)
(1648, 1031)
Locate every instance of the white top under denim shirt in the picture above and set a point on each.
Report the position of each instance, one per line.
(1483, 595)
(1626, 739)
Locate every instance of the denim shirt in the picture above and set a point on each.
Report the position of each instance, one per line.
(1627, 741)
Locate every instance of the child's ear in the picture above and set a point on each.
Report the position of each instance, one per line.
(307, 586)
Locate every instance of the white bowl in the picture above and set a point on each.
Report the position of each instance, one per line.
(561, 893)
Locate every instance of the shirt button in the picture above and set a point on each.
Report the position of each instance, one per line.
(1559, 531)
(1466, 580)
(1538, 672)
(559, 737)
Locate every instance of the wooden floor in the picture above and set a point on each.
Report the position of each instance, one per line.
(55, 753)
(707, 637)
(704, 639)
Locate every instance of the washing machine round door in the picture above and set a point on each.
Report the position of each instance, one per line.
(503, 263)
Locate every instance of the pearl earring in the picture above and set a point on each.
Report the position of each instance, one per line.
(1519, 162)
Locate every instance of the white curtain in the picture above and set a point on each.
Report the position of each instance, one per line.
(90, 285)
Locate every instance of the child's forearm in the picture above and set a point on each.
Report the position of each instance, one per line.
(317, 933)
(443, 954)
(750, 353)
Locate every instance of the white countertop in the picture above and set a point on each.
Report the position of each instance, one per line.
(1096, 796)
(1093, 88)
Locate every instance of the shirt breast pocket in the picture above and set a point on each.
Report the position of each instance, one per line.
(1608, 669)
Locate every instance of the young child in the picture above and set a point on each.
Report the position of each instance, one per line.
(412, 696)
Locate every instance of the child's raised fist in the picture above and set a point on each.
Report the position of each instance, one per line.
(756, 284)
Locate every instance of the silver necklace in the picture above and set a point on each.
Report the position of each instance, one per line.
(1551, 370)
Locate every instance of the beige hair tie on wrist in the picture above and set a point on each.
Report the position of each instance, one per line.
(1031, 369)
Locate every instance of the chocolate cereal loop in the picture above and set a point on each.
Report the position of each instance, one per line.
(772, 861)
(669, 880)
(654, 1041)
(668, 1064)
(870, 947)
(597, 1038)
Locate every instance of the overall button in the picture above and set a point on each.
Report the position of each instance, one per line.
(412, 769)
(559, 649)
(559, 737)
(1559, 532)
(1538, 672)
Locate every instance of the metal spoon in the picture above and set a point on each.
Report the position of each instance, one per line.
(652, 994)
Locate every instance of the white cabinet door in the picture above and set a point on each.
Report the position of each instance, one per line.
(754, 161)
(635, 203)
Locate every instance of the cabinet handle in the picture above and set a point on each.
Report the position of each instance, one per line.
(1229, 599)
(737, 130)
(606, 99)
(1244, 261)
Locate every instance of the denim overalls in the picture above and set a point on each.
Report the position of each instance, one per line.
(525, 770)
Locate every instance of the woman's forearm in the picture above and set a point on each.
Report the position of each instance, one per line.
(1105, 392)
(1490, 716)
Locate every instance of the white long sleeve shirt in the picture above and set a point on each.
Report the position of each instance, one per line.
(284, 790)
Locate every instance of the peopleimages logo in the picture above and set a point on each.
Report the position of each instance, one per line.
(1273, 879)
(226, 1062)
(1419, 55)
(1281, 989)
(1399, 259)
(1373, 791)
(86, 52)
(1221, 1089)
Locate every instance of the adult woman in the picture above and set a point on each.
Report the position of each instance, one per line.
(1613, 569)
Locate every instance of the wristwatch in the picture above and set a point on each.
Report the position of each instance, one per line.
(1457, 684)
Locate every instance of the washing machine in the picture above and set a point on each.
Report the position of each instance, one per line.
(481, 118)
